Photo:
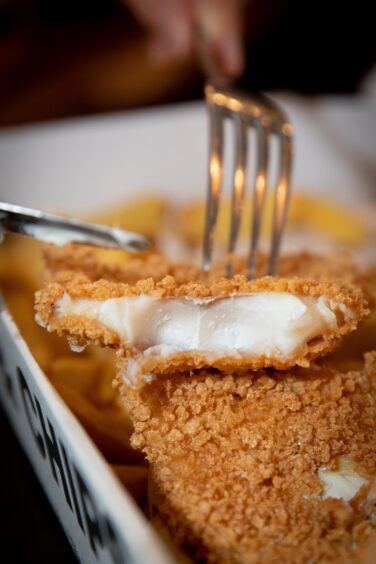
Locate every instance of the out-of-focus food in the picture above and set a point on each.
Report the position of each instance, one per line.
(109, 427)
(146, 215)
(307, 213)
(325, 216)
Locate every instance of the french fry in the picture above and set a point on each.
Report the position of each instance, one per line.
(110, 429)
(328, 218)
(314, 214)
(21, 261)
(191, 220)
(76, 372)
(112, 257)
(44, 346)
(102, 393)
(143, 215)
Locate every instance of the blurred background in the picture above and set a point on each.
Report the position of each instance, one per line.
(74, 57)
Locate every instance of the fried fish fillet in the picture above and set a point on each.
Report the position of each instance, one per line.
(264, 467)
(229, 324)
(260, 467)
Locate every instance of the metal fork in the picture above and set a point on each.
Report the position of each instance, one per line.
(266, 118)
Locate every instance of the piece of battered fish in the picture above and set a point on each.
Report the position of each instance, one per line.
(232, 325)
(264, 467)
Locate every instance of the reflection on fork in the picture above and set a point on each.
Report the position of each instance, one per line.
(259, 112)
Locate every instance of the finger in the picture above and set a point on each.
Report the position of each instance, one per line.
(230, 51)
(169, 23)
(219, 25)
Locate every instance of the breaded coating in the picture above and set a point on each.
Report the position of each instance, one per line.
(235, 461)
(84, 260)
(80, 329)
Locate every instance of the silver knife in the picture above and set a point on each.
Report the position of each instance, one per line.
(51, 228)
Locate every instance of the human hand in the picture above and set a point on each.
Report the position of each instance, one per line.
(210, 30)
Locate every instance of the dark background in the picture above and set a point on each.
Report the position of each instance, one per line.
(71, 57)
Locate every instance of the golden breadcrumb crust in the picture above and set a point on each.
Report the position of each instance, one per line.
(235, 460)
(129, 269)
(81, 329)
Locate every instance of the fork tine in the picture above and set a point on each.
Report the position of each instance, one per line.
(238, 189)
(259, 193)
(258, 111)
(214, 182)
(281, 198)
